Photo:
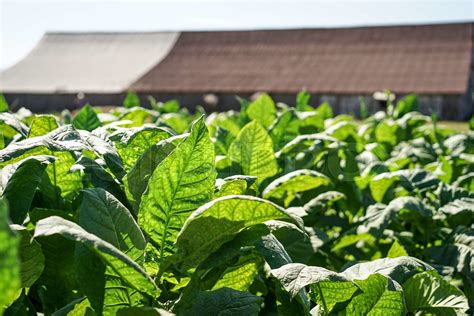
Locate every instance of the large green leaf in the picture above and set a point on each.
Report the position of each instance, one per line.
(457, 252)
(285, 128)
(137, 116)
(396, 250)
(253, 150)
(399, 269)
(10, 281)
(296, 276)
(427, 292)
(286, 187)
(59, 278)
(61, 143)
(126, 268)
(137, 178)
(225, 301)
(132, 143)
(103, 215)
(459, 211)
(95, 175)
(182, 182)
(11, 126)
(20, 189)
(86, 119)
(234, 185)
(31, 257)
(219, 221)
(380, 216)
(376, 298)
(42, 125)
(262, 110)
(327, 288)
(3, 104)
(103, 148)
(241, 275)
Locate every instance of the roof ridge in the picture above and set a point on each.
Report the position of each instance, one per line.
(447, 23)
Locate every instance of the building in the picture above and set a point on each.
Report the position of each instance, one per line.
(335, 65)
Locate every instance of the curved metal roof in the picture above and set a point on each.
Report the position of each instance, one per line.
(87, 62)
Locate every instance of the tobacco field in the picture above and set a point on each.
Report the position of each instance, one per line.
(269, 210)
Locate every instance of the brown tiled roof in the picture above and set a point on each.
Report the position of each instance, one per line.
(422, 59)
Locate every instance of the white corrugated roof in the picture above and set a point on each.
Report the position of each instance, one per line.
(87, 62)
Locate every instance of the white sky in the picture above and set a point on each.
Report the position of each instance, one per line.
(24, 22)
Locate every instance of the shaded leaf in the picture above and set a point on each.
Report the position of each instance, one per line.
(427, 292)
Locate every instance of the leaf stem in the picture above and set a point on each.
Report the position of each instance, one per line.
(325, 307)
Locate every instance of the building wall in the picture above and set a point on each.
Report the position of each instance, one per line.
(448, 107)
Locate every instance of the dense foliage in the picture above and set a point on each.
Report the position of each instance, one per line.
(270, 210)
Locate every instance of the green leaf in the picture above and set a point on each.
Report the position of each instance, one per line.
(126, 268)
(457, 252)
(78, 307)
(131, 100)
(42, 125)
(22, 184)
(225, 302)
(286, 187)
(182, 182)
(223, 140)
(296, 276)
(10, 281)
(104, 216)
(60, 143)
(262, 110)
(324, 110)
(285, 128)
(171, 106)
(144, 311)
(406, 105)
(234, 185)
(327, 288)
(96, 176)
(219, 221)
(11, 126)
(137, 116)
(59, 277)
(31, 257)
(380, 184)
(399, 269)
(376, 298)
(427, 292)
(3, 104)
(137, 178)
(349, 240)
(380, 216)
(133, 142)
(253, 150)
(461, 209)
(302, 101)
(241, 275)
(103, 149)
(387, 131)
(396, 250)
(86, 119)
